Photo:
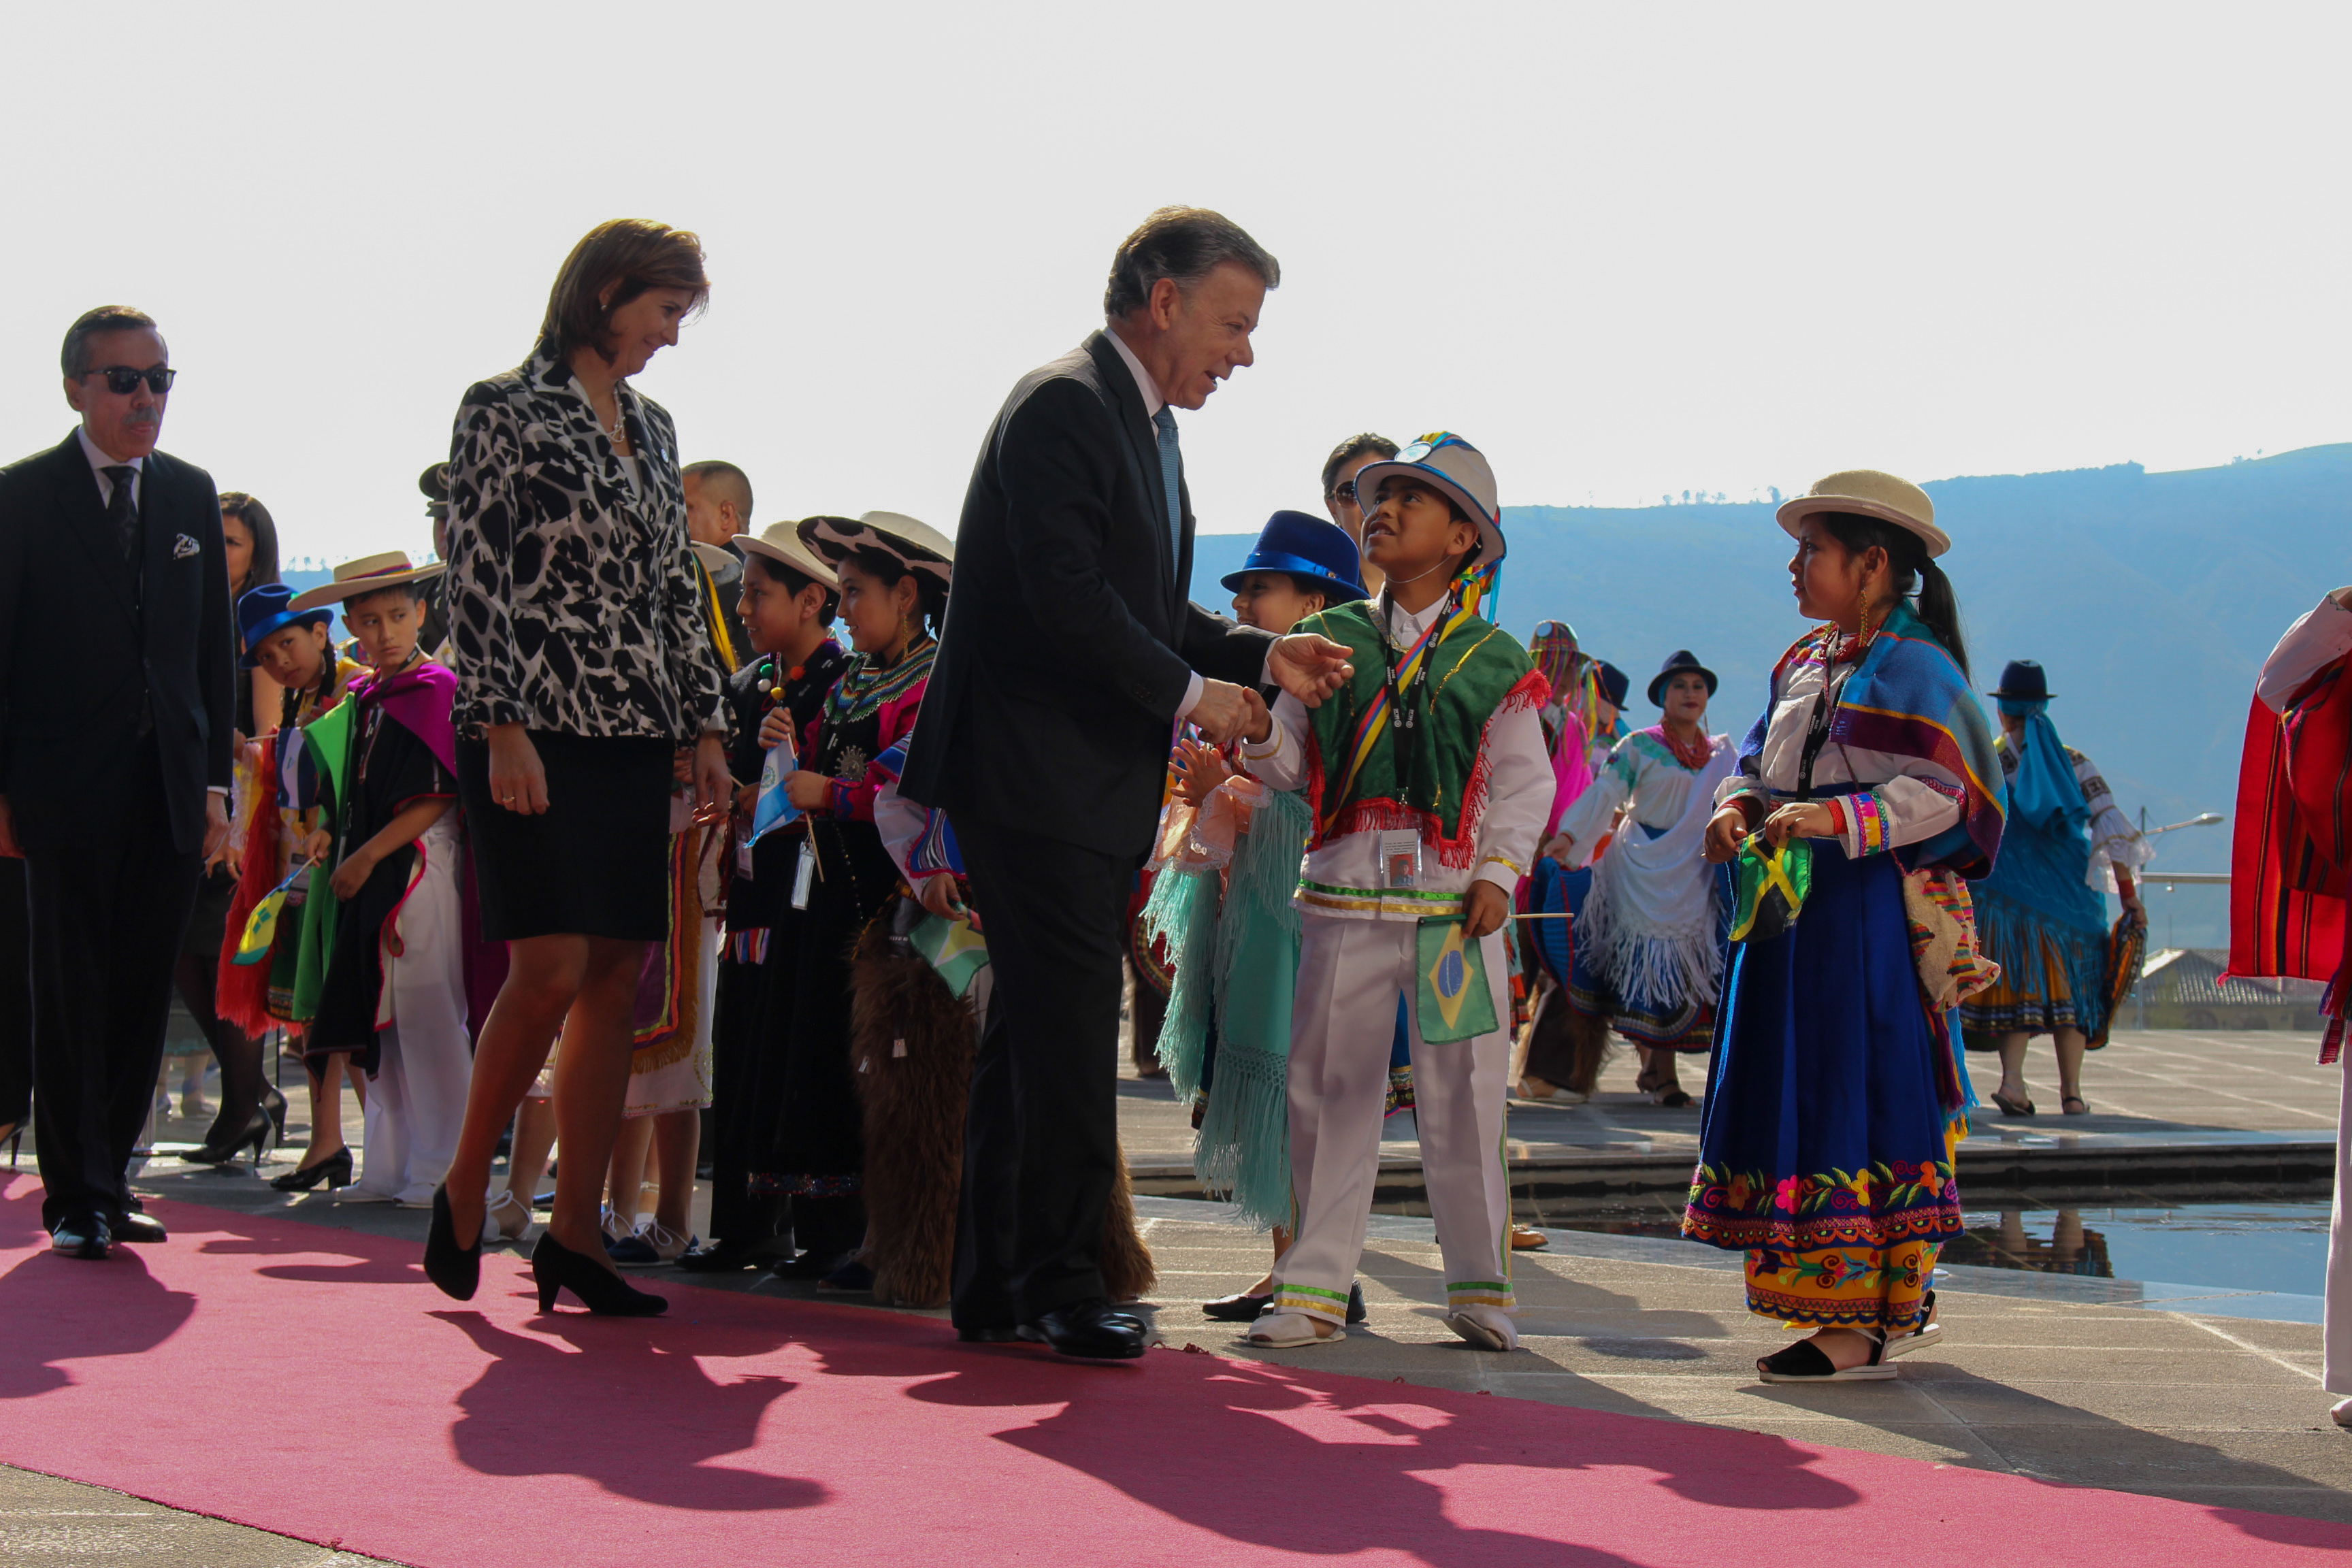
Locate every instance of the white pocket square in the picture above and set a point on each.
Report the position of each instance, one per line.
(184, 548)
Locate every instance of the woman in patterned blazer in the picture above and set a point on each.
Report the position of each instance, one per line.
(584, 676)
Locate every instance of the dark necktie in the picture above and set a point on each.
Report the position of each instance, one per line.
(1172, 464)
(122, 511)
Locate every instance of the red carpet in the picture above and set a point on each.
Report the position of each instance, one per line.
(738, 1430)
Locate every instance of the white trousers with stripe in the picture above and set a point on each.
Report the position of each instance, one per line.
(1343, 1025)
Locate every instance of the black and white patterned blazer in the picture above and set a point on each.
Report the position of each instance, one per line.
(574, 604)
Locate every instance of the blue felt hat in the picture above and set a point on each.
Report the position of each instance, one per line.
(263, 610)
(1308, 547)
(2023, 680)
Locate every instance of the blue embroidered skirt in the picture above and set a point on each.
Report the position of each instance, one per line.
(1824, 1146)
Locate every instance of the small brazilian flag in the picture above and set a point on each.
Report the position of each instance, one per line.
(261, 926)
(1456, 1002)
(951, 947)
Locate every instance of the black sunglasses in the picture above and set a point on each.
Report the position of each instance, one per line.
(122, 380)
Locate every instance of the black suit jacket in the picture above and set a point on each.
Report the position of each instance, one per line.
(86, 649)
(1070, 639)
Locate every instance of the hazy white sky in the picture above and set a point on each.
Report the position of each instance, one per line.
(1625, 249)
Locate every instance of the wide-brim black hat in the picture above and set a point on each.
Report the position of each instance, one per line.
(2023, 680)
(1678, 661)
(1616, 684)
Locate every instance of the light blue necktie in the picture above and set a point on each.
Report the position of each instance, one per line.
(1171, 463)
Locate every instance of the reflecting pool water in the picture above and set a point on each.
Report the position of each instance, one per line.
(2234, 1246)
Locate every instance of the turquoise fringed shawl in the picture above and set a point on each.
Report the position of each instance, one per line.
(1236, 961)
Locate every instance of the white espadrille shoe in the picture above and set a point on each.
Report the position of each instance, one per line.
(1488, 1328)
(1286, 1331)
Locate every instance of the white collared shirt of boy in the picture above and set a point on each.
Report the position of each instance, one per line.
(1345, 877)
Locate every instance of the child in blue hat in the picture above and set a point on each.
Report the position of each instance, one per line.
(1222, 895)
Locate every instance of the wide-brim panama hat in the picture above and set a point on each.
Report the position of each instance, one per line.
(715, 558)
(781, 542)
(1872, 494)
(264, 611)
(1677, 662)
(918, 546)
(1456, 468)
(1306, 546)
(2023, 680)
(368, 575)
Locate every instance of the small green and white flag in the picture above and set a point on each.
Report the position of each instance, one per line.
(951, 947)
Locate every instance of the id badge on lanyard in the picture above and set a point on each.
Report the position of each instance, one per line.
(1400, 858)
(804, 872)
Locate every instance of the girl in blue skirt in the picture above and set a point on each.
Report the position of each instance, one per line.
(1838, 1093)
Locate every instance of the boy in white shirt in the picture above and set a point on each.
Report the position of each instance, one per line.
(1428, 782)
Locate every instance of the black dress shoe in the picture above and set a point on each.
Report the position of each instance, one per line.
(1245, 1308)
(85, 1235)
(809, 1265)
(1091, 1328)
(994, 1334)
(733, 1256)
(137, 1227)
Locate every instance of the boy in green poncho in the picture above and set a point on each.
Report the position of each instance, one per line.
(1427, 781)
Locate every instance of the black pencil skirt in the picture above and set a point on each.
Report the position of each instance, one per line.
(596, 862)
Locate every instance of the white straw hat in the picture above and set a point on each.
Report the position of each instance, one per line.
(781, 542)
(365, 576)
(1872, 494)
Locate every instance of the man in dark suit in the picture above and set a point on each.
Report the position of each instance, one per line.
(1071, 651)
(116, 712)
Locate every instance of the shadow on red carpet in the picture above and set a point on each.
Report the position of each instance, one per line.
(394, 1422)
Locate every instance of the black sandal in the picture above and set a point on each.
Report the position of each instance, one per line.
(2013, 1107)
(1806, 1362)
(2067, 1106)
(1675, 1099)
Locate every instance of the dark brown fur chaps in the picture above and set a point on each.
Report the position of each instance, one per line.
(914, 1109)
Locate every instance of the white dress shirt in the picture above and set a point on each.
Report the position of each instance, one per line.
(1345, 873)
(1153, 404)
(100, 462)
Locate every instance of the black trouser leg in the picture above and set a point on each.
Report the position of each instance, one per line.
(737, 1215)
(16, 997)
(1041, 1143)
(107, 913)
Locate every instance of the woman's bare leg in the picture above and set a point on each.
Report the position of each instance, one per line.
(592, 1080)
(624, 1180)
(534, 1135)
(677, 1145)
(2071, 1043)
(544, 979)
(2012, 1065)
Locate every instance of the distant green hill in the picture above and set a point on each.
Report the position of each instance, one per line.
(2150, 598)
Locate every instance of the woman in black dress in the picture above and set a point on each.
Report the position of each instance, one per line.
(584, 668)
(251, 1109)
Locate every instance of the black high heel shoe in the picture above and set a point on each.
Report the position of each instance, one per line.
(273, 1105)
(255, 1136)
(457, 1271)
(335, 1170)
(555, 1267)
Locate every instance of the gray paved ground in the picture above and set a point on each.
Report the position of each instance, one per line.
(45, 1519)
(2065, 1380)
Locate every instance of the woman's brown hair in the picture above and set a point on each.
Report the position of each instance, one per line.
(629, 255)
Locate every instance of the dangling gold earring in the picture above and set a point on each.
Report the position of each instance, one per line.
(1862, 612)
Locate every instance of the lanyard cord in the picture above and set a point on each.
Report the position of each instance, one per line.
(1403, 718)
